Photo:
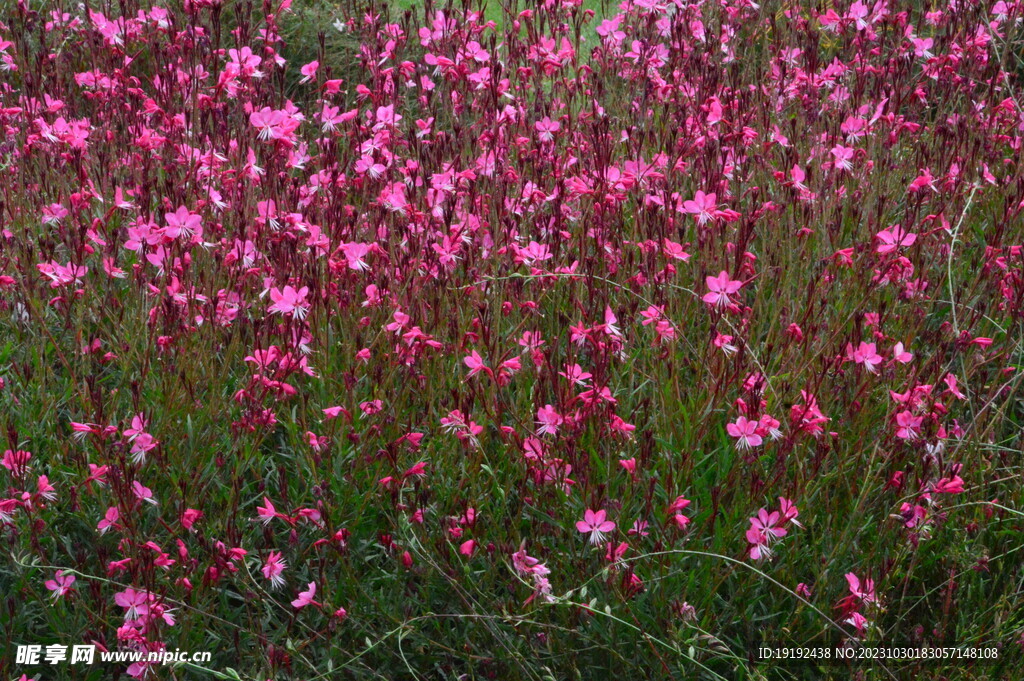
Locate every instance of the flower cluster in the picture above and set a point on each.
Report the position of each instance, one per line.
(316, 317)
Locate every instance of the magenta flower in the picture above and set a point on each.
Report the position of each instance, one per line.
(721, 287)
(110, 519)
(950, 485)
(745, 432)
(764, 529)
(308, 71)
(267, 512)
(60, 585)
(865, 354)
(62, 275)
(899, 354)
(789, 511)
(141, 445)
(865, 590)
(596, 524)
(908, 425)
(893, 238)
(273, 569)
(546, 129)
(476, 364)
(135, 603)
(858, 622)
(843, 157)
(306, 597)
(290, 301)
(182, 223)
(703, 206)
(16, 461)
(548, 420)
(143, 493)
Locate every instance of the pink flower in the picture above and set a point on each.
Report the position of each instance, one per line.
(267, 512)
(417, 470)
(306, 597)
(60, 584)
(333, 412)
(908, 425)
(859, 622)
(110, 519)
(546, 129)
(81, 430)
(765, 528)
(639, 528)
(893, 238)
(576, 374)
(273, 568)
(245, 62)
(900, 355)
(45, 489)
(789, 511)
(768, 426)
(674, 250)
(745, 431)
(143, 493)
(596, 524)
(139, 425)
(16, 461)
(273, 125)
(190, 517)
(142, 444)
(182, 223)
(290, 301)
(308, 71)
(843, 157)
(865, 354)
(953, 484)
(703, 206)
(549, 420)
(135, 603)
(720, 288)
(858, 13)
(475, 363)
(952, 386)
(62, 275)
(864, 591)
(724, 342)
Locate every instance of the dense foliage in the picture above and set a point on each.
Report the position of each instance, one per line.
(536, 341)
